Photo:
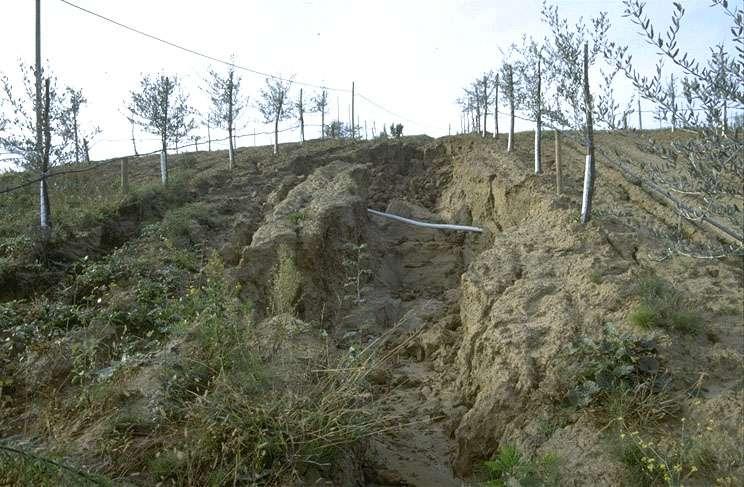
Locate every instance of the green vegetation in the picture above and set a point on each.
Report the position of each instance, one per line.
(662, 306)
(286, 285)
(620, 375)
(510, 467)
(675, 458)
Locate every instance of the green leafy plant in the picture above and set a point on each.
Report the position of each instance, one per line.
(510, 467)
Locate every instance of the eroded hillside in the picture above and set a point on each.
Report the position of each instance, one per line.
(260, 327)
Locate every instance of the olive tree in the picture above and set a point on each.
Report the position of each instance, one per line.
(227, 104)
(705, 170)
(320, 105)
(161, 108)
(275, 105)
(22, 115)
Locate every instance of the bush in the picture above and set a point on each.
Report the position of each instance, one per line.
(621, 375)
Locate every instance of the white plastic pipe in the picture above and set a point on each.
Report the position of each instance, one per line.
(436, 226)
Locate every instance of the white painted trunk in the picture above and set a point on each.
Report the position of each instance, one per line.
(43, 209)
(538, 162)
(587, 185)
(509, 143)
(163, 167)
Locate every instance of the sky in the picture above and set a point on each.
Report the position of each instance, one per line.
(410, 57)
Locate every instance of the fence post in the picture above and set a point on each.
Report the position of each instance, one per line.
(510, 82)
(640, 115)
(125, 175)
(352, 111)
(586, 200)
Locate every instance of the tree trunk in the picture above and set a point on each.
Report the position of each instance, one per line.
(588, 193)
(352, 111)
(75, 136)
(485, 105)
(322, 123)
(276, 135)
(302, 121)
(496, 108)
(558, 168)
(134, 142)
(86, 150)
(510, 82)
(538, 125)
(164, 164)
(231, 146)
(725, 118)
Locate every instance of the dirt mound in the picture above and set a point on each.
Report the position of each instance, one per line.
(313, 223)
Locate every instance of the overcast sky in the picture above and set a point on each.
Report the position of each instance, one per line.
(411, 57)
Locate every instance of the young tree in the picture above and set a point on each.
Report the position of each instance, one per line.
(275, 106)
(529, 71)
(572, 51)
(74, 100)
(508, 87)
(301, 115)
(162, 109)
(320, 104)
(227, 105)
(18, 136)
(23, 117)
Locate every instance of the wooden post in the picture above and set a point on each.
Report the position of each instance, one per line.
(352, 111)
(510, 94)
(209, 137)
(588, 193)
(45, 218)
(558, 167)
(538, 125)
(485, 104)
(125, 175)
(231, 141)
(640, 115)
(45, 211)
(496, 108)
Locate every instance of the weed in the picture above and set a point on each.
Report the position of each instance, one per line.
(19, 467)
(286, 284)
(622, 375)
(356, 270)
(296, 217)
(662, 306)
(693, 450)
(509, 467)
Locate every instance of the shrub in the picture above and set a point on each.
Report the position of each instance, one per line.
(509, 467)
(621, 375)
(663, 306)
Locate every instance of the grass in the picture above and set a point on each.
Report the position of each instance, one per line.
(286, 285)
(509, 467)
(662, 306)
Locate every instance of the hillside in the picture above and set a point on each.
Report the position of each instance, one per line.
(259, 327)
